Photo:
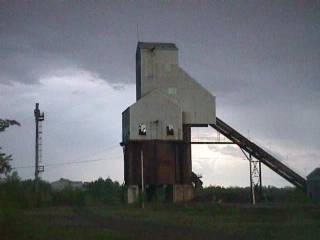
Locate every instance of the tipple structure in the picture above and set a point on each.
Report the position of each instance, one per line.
(156, 129)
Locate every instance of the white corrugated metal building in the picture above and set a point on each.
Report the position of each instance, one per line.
(167, 97)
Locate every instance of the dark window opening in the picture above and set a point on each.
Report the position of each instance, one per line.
(170, 130)
(142, 129)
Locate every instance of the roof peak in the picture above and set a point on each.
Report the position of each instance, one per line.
(315, 172)
(157, 45)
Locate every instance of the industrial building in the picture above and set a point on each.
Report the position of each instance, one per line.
(157, 127)
(156, 130)
(63, 183)
(313, 185)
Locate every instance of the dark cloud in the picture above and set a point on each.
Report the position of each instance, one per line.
(227, 45)
(43, 37)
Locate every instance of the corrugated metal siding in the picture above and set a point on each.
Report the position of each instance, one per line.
(313, 185)
(126, 125)
(156, 112)
(138, 74)
(164, 162)
(160, 70)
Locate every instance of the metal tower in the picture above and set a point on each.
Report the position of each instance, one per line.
(39, 118)
(255, 178)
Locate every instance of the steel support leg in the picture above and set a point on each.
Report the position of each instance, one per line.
(255, 178)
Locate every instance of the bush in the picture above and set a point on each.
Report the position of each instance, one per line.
(68, 196)
(22, 194)
(242, 195)
(105, 191)
(15, 193)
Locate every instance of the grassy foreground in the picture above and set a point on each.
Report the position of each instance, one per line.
(192, 221)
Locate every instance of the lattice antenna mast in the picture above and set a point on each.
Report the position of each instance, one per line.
(39, 118)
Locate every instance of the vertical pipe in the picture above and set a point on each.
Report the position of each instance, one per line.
(142, 180)
(250, 175)
(260, 179)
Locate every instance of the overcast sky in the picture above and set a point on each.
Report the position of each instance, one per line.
(261, 59)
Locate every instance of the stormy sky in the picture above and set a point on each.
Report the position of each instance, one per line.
(261, 59)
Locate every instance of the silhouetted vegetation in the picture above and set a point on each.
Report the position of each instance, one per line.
(16, 193)
(5, 166)
(22, 194)
(104, 192)
(269, 194)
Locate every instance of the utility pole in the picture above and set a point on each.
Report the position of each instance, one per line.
(39, 117)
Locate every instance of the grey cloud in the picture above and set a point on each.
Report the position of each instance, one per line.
(227, 150)
(78, 92)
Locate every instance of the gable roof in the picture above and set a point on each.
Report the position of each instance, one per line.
(157, 94)
(156, 45)
(314, 174)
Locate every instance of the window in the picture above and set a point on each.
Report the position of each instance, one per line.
(170, 130)
(167, 67)
(172, 91)
(142, 129)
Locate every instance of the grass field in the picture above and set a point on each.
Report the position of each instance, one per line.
(193, 221)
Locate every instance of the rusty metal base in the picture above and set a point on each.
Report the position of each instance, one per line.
(164, 163)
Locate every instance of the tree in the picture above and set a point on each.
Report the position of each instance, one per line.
(5, 167)
(5, 159)
(5, 123)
